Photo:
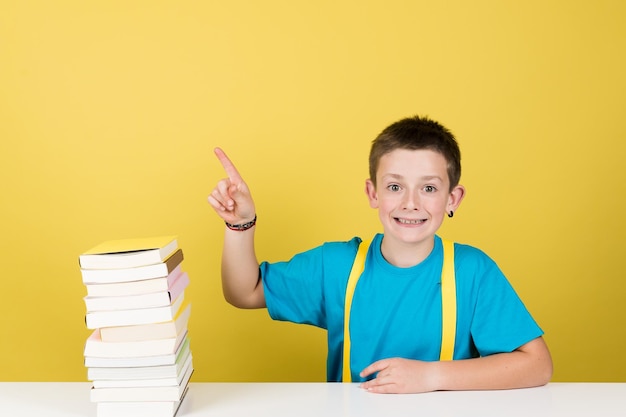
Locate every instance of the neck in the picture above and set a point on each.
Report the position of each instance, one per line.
(404, 254)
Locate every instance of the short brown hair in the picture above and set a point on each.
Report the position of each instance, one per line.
(416, 133)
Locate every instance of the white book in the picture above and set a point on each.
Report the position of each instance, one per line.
(96, 347)
(139, 408)
(147, 300)
(128, 253)
(141, 372)
(98, 319)
(134, 287)
(103, 276)
(145, 382)
(140, 361)
(149, 331)
(173, 393)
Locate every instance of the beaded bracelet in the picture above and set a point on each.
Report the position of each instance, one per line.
(241, 227)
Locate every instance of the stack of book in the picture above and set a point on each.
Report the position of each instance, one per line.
(138, 356)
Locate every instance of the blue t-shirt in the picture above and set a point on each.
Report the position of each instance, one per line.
(396, 312)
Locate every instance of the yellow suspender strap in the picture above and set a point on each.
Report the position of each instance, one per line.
(355, 273)
(448, 301)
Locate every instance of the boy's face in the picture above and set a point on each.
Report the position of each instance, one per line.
(412, 195)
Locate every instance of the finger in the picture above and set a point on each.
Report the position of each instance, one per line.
(216, 204)
(373, 368)
(382, 388)
(219, 202)
(375, 383)
(225, 190)
(223, 202)
(228, 166)
(221, 195)
(384, 382)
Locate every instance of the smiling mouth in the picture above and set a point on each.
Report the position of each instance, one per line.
(409, 221)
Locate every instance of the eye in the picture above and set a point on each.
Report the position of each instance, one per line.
(393, 187)
(430, 189)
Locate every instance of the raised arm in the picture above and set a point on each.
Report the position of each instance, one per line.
(232, 201)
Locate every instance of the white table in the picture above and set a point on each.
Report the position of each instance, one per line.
(66, 399)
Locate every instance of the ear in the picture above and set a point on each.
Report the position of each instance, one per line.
(370, 191)
(455, 198)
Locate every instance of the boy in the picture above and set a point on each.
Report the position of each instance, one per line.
(396, 315)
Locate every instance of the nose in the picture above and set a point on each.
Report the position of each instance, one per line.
(411, 201)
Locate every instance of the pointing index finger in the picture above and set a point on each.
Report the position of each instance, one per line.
(229, 167)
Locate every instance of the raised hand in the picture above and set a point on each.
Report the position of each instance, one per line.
(231, 197)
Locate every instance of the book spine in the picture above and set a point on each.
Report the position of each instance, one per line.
(101, 276)
(97, 319)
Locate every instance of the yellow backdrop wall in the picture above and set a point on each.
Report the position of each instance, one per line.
(109, 112)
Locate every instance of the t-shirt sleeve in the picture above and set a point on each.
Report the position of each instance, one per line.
(310, 287)
(501, 322)
(294, 289)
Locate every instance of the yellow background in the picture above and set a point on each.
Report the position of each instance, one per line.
(109, 112)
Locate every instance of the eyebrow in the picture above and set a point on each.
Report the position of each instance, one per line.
(424, 178)
(432, 177)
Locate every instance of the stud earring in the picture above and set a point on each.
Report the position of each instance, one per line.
(451, 213)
